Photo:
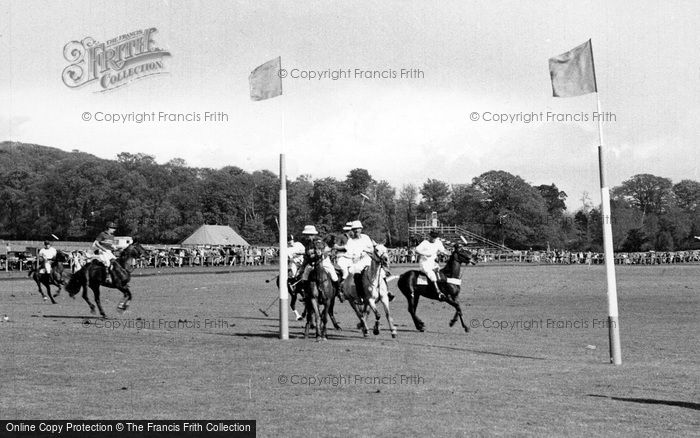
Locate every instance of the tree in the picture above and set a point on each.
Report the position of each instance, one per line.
(324, 203)
(405, 211)
(358, 181)
(687, 194)
(514, 209)
(554, 198)
(648, 193)
(436, 196)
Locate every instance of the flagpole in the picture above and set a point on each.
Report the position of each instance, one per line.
(284, 292)
(613, 317)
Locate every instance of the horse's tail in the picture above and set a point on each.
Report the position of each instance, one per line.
(76, 281)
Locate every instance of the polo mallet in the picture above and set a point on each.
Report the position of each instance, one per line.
(362, 205)
(264, 312)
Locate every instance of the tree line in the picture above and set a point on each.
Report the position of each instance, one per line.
(46, 191)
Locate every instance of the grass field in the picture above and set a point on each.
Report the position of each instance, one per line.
(535, 363)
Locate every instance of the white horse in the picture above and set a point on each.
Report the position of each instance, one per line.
(376, 289)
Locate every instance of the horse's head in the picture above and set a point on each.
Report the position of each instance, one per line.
(135, 251)
(465, 255)
(63, 257)
(380, 255)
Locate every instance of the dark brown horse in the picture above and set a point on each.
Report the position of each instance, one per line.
(319, 296)
(294, 287)
(55, 278)
(95, 274)
(448, 282)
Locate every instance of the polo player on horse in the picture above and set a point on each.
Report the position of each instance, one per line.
(104, 245)
(428, 251)
(314, 252)
(357, 249)
(47, 255)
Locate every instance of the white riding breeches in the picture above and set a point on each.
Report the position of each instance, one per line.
(428, 268)
(344, 264)
(327, 266)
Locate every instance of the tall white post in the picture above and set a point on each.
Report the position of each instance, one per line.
(284, 293)
(613, 321)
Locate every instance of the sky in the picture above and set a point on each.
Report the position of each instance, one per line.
(480, 58)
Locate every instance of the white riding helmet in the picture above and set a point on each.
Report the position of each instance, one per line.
(355, 225)
(309, 230)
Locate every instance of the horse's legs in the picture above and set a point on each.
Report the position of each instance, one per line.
(377, 317)
(48, 292)
(293, 303)
(96, 292)
(41, 291)
(412, 307)
(127, 297)
(314, 309)
(331, 306)
(390, 320)
(324, 318)
(87, 300)
(458, 312)
(360, 316)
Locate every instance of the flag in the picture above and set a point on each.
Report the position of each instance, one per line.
(573, 73)
(265, 80)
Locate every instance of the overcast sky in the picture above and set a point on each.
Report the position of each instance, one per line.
(474, 57)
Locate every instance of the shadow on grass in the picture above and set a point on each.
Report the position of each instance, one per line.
(651, 401)
(254, 318)
(491, 353)
(332, 335)
(71, 317)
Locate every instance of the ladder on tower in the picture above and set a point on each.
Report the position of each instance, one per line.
(454, 233)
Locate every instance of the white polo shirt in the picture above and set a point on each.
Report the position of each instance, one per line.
(429, 251)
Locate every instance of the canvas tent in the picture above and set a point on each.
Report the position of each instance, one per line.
(215, 235)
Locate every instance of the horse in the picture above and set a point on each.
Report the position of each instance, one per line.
(374, 289)
(54, 278)
(448, 282)
(94, 274)
(318, 292)
(294, 287)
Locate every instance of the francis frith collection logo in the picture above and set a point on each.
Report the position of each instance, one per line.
(114, 63)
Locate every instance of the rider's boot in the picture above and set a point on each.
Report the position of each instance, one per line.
(358, 285)
(340, 289)
(108, 276)
(441, 296)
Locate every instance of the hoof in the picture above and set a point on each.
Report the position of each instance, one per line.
(421, 329)
(466, 329)
(92, 310)
(393, 335)
(375, 331)
(339, 328)
(104, 316)
(45, 298)
(452, 323)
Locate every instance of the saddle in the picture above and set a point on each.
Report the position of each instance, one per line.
(422, 279)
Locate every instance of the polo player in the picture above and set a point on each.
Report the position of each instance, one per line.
(428, 251)
(313, 253)
(358, 249)
(295, 254)
(48, 255)
(104, 245)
